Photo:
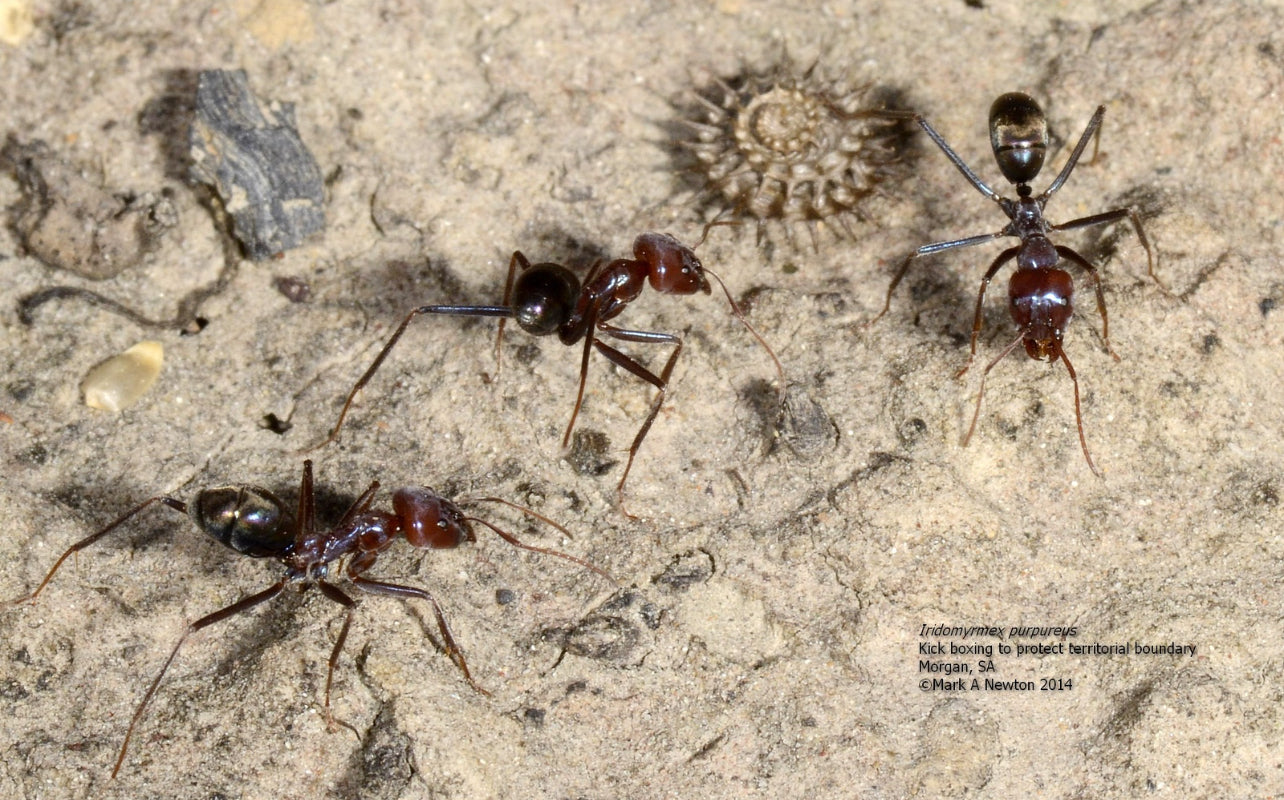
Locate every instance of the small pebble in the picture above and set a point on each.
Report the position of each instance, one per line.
(16, 21)
(67, 221)
(805, 425)
(118, 382)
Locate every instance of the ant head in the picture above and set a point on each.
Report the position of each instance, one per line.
(1019, 136)
(250, 520)
(674, 268)
(545, 296)
(1041, 303)
(429, 520)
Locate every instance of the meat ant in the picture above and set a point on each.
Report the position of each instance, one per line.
(1039, 293)
(255, 522)
(547, 298)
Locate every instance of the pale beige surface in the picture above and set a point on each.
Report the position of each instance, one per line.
(792, 671)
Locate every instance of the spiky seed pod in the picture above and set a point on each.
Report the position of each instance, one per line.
(788, 147)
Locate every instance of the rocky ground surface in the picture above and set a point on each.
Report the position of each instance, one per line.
(763, 635)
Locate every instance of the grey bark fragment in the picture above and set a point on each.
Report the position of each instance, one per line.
(253, 157)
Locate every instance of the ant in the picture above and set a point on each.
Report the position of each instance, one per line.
(547, 298)
(1039, 293)
(255, 522)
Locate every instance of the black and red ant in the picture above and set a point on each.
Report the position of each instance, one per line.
(255, 522)
(1039, 293)
(547, 298)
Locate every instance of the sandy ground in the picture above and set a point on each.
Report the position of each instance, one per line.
(764, 638)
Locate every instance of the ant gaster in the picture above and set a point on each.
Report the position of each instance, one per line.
(547, 298)
(1040, 294)
(255, 522)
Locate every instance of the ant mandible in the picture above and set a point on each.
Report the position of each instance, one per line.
(547, 298)
(1039, 293)
(255, 522)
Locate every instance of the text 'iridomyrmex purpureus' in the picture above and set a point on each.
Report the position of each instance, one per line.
(1040, 294)
(255, 522)
(547, 298)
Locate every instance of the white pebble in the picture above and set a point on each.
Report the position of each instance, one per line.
(119, 382)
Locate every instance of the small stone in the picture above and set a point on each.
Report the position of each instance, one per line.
(805, 426)
(16, 21)
(120, 381)
(618, 631)
(589, 453)
(68, 222)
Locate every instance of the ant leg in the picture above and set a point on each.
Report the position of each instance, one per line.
(365, 378)
(458, 311)
(244, 604)
(518, 260)
(177, 505)
(661, 384)
(1004, 257)
(589, 339)
(958, 162)
(1114, 216)
(944, 146)
(412, 593)
(1078, 413)
(308, 540)
(981, 394)
(1094, 127)
(307, 537)
(874, 113)
(306, 519)
(896, 281)
(927, 250)
(515, 542)
(1072, 256)
(715, 222)
(337, 595)
(359, 506)
(1096, 145)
